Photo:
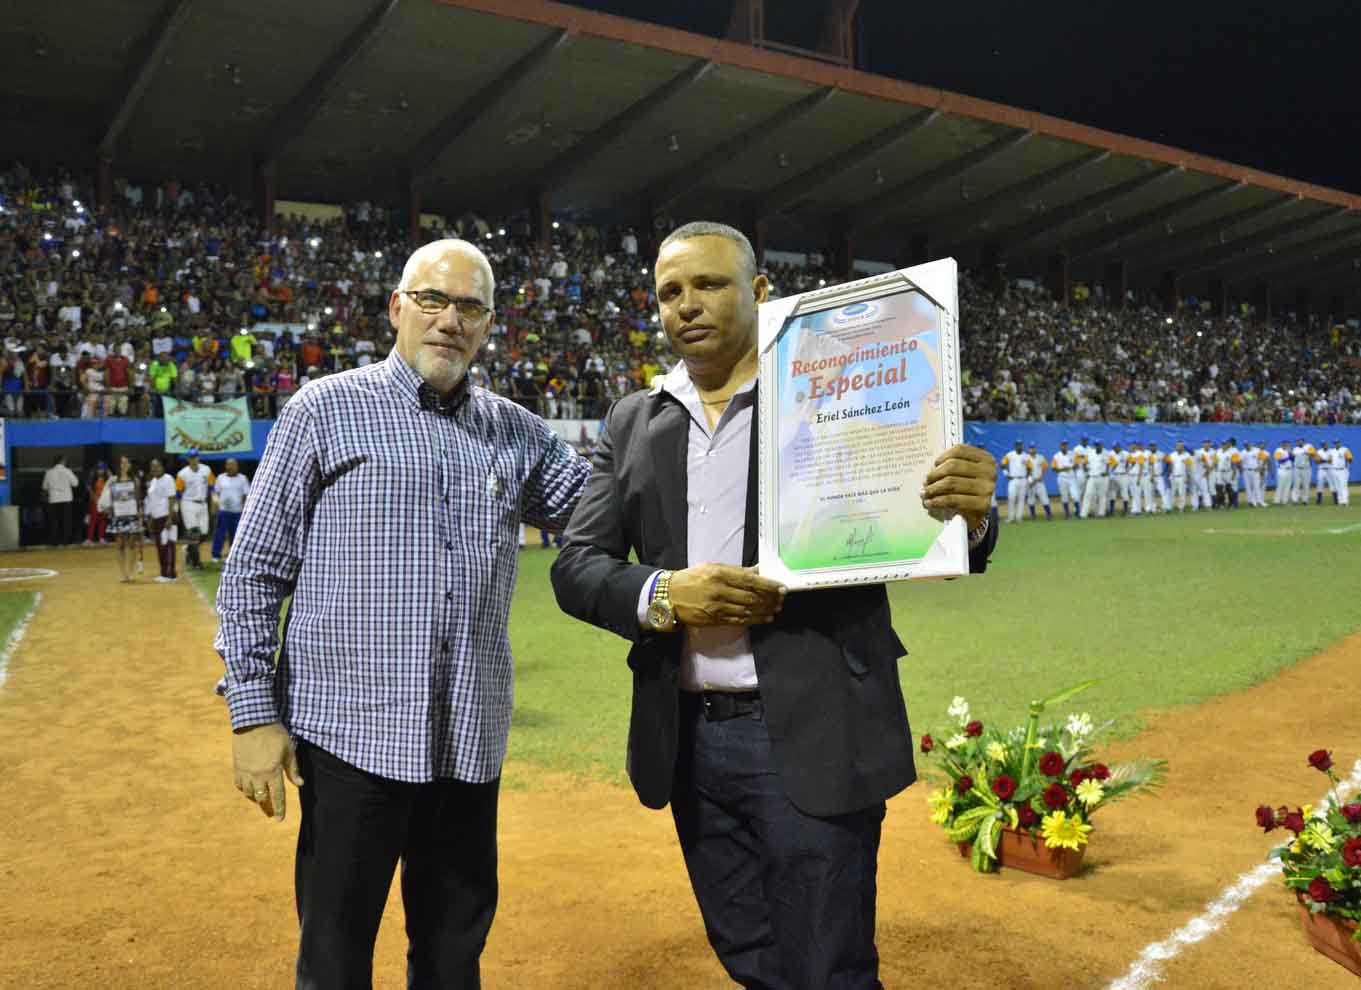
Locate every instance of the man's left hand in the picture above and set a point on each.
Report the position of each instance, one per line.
(963, 480)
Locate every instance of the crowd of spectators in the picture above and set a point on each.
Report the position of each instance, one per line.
(179, 291)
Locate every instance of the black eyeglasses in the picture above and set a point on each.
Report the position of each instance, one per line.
(432, 301)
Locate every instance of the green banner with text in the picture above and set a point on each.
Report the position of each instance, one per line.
(212, 427)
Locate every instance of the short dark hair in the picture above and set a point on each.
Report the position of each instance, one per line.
(710, 228)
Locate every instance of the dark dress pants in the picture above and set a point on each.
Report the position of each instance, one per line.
(788, 899)
(355, 828)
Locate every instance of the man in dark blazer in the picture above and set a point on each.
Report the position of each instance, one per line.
(772, 723)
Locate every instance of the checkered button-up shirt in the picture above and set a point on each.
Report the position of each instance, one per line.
(395, 527)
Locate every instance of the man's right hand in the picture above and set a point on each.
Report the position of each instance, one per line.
(261, 755)
(724, 595)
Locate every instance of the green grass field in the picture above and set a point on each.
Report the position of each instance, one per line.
(1163, 612)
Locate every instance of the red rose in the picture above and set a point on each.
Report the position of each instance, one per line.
(1078, 776)
(1028, 816)
(1352, 812)
(1055, 797)
(1004, 787)
(1100, 771)
(1351, 852)
(928, 744)
(1293, 820)
(1266, 818)
(1320, 890)
(1321, 760)
(974, 728)
(1051, 764)
(964, 784)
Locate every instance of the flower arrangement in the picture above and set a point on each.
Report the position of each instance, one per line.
(1039, 780)
(1322, 862)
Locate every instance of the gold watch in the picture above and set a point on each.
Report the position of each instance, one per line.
(660, 616)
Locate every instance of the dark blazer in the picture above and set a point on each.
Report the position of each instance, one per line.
(827, 665)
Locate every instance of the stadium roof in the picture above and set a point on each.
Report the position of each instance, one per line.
(478, 101)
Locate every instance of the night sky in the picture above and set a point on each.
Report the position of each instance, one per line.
(1275, 86)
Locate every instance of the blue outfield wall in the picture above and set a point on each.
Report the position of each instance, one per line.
(997, 438)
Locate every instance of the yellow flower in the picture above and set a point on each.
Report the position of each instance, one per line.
(1296, 848)
(1062, 832)
(942, 803)
(996, 751)
(1320, 836)
(1090, 792)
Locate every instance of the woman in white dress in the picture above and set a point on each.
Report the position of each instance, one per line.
(124, 497)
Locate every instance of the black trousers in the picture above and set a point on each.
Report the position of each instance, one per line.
(60, 516)
(788, 899)
(356, 826)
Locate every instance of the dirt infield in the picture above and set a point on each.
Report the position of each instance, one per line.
(129, 862)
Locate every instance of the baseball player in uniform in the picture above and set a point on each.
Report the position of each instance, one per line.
(1224, 474)
(1179, 466)
(1080, 454)
(1156, 496)
(1342, 473)
(1094, 496)
(1016, 466)
(1285, 472)
(1036, 492)
(1342, 470)
(1202, 472)
(1256, 463)
(194, 483)
(1138, 475)
(1069, 490)
(1119, 479)
(1324, 459)
(1303, 455)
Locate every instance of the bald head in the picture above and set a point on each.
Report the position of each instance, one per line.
(438, 254)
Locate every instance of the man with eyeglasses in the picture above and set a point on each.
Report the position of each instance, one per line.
(388, 504)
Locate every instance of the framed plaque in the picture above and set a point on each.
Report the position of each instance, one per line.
(860, 392)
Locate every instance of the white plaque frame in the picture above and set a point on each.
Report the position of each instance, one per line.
(949, 554)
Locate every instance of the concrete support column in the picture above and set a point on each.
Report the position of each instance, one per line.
(1219, 295)
(541, 215)
(842, 252)
(1057, 278)
(411, 206)
(994, 268)
(918, 249)
(1117, 284)
(263, 177)
(103, 184)
(1169, 290)
(1261, 300)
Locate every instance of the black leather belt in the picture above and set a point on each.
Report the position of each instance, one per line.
(722, 705)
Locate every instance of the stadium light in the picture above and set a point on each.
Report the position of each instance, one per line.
(315, 242)
(489, 235)
(75, 203)
(661, 335)
(1200, 333)
(164, 310)
(378, 254)
(491, 346)
(328, 311)
(821, 282)
(75, 253)
(79, 208)
(283, 242)
(555, 225)
(47, 237)
(501, 231)
(312, 325)
(644, 269)
(1169, 321)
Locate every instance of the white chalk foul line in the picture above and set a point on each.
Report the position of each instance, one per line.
(12, 643)
(1346, 529)
(1148, 968)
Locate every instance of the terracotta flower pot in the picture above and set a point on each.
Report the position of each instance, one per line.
(1021, 851)
(1332, 936)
